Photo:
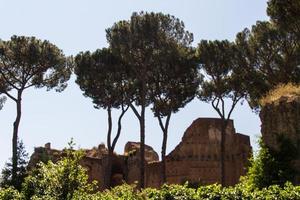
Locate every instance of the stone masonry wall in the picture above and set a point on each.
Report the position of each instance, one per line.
(195, 159)
(281, 118)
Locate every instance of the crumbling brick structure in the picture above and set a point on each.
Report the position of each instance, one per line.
(281, 121)
(195, 159)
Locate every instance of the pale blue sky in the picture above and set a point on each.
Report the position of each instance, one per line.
(78, 25)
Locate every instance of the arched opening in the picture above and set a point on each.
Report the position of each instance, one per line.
(117, 174)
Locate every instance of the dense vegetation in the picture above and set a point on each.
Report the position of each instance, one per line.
(22, 162)
(67, 180)
(173, 192)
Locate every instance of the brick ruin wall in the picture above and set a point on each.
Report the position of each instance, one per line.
(195, 159)
(281, 119)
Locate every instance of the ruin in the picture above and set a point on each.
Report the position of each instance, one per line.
(195, 159)
(280, 121)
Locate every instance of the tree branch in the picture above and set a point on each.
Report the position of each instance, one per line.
(234, 102)
(223, 107)
(216, 106)
(8, 71)
(161, 123)
(8, 81)
(135, 111)
(10, 96)
(168, 121)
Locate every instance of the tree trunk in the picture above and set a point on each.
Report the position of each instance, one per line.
(111, 146)
(109, 170)
(164, 145)
(163, 156)
(142, 147)
(15, 138)
(223, 151)
(119, 128)
(110, 150)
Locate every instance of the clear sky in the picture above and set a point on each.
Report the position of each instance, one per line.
(78, 25)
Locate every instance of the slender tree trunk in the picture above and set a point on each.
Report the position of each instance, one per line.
(224, 122)
(110, 150)
(141, 118)
(163, 156)
(115, 141)
(15, 137)
(119, 127)
(142, 147)
(223, 151)
(111, 146)
(164, 145)
(109, 169)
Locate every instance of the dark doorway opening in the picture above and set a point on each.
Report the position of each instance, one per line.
(117, 173)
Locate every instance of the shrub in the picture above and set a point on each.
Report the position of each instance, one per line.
(210, 192)
(58, 181)
(10, 194)
(172, 192)
(67, 180)
(22, 161)
(272, 167)
(128, 192)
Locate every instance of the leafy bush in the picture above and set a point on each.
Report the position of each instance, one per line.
(166, 192)
(67, 180)
(170, 192)
(22, 161)
(124, 191)
(272, 167)
(10, 194)
(58, 181)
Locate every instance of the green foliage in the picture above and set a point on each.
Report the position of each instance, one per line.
(10, 194)
(122, 192)
(27, 61)
(66, 180)
(173, 192)
(170, 192)
(58, 181)
(210, 192)
(117, 193)
(285, 14)
(156, 50)
(102, 77)
(22, 161)
(224, 74)
(271, 49)
(272, 167)
(177, 192)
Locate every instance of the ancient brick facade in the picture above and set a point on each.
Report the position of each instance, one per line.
(195, 159)
(280, 121)
(281, 117)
